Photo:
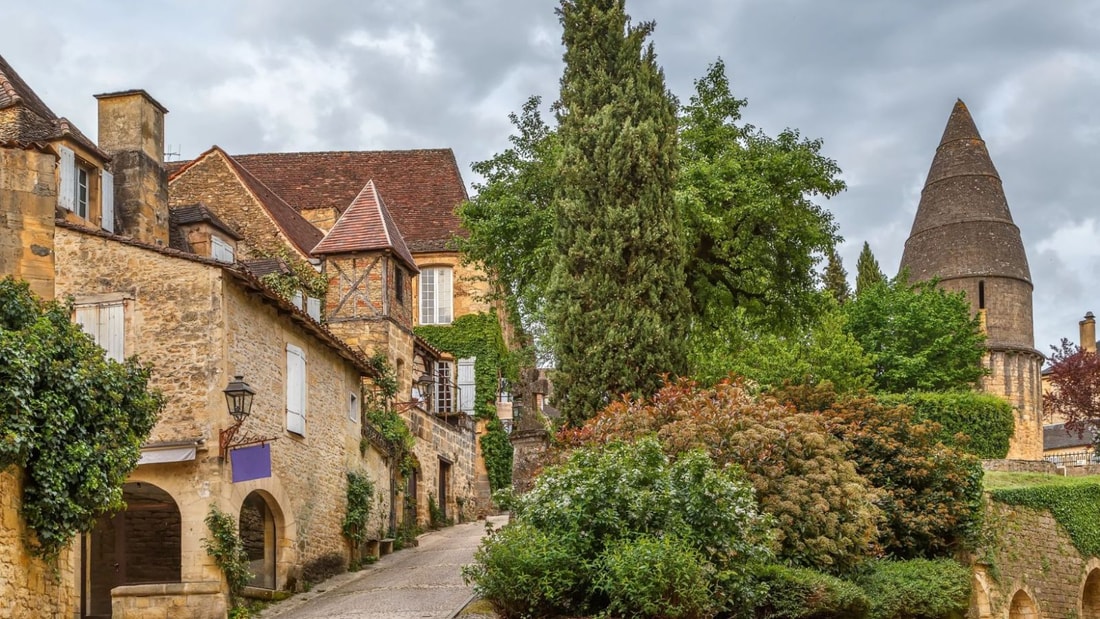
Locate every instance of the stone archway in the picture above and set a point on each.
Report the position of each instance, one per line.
(138, 546)
(1090, 596)
(1022, 607)
(258, 530)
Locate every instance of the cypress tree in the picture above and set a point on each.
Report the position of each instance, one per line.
(868, 272)
(618, 301)
(836, 278)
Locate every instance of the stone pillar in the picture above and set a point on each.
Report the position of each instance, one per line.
(131, 130)
(528, 446)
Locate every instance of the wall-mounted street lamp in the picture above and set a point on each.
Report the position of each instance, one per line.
(238, 400)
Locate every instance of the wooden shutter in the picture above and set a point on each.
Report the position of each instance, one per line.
(297, 299)
(313, 308)
(221, 251)
(466, 385)
(107, 200)
(114, 340)
(87, 316)
(67, 171)
(295, 390)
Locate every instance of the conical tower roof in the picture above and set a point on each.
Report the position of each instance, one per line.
(963, 227)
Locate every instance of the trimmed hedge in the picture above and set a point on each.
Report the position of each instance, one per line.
(799, 593)
(986, 419)
(916, 589)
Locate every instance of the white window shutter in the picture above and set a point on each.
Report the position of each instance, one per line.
(297, 299)
(444, 302)
(115, 340)
(67, 172)
(466, 385)
(87, 316)
(295, 390)
(221, 251)
(107, 200)
(313, 308)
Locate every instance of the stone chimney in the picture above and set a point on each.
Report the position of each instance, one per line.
(131, 130)
(1088, 333)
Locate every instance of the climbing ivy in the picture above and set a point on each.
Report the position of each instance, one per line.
(71, 419)
(1075, 506)
(479, 336)
(302, 276)
(227, 548)
(378, 412)
(360, 495)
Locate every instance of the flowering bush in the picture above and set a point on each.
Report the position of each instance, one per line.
(598, 500)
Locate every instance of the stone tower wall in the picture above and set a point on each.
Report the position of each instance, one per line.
(1015, 375)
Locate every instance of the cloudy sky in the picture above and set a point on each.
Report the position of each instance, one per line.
(876, 80)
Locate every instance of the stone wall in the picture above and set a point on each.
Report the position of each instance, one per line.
(1031, 561)
(28, 197)
(436, 440)
(1015, 376)
(1019, 466)
(29, 588)
(169, 600)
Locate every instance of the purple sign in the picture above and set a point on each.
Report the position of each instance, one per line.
(251, 462)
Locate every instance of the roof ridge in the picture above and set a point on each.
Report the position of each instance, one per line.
(349, 152)
(14, 90)
(350, 233)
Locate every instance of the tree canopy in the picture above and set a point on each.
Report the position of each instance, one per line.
(1075, 386)
(868, 273)
(920, 336)
(617, 297)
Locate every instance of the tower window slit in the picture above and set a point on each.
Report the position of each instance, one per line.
(981, 294)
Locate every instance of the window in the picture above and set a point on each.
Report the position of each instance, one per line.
(466, 385)
(105, 322)
(295, 390)
(444, 394)
(353, 406)
(435, 296)
(80, 198)
(399, 283)
(221, 251)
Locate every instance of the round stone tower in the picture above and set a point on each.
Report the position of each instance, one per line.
(963, 234)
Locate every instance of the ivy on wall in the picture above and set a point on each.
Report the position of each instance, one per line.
(987, 420)
(1074, 506)
(479, 336)
(71, 419)
(302, 277)
(378, 412)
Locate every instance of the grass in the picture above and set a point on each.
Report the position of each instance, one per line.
(999, 480)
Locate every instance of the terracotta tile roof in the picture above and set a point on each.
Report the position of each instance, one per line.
(13, 91)
(422, 187)
(366, 225)
(38, 123)
(266, 266)
(295, 228)
(198, 213)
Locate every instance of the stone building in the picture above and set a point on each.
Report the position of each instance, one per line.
(963, 235)
(180, 284)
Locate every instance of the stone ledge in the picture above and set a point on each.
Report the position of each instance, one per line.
(168, 588)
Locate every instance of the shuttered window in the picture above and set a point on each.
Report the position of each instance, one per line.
(107, 200)
(466, 385)
(67, 172)
(221, 251)
(105, 322)
(436, 298)
(295, 390)
(313, 308)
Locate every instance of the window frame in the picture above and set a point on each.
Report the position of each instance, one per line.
(433, 289)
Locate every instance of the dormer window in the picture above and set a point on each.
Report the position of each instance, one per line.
(221, 250)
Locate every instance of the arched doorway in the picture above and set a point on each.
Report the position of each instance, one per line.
(1022, 607)
(137, 546)
(257, 529)
(1090, 596)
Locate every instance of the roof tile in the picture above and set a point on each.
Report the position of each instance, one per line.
(366, 225)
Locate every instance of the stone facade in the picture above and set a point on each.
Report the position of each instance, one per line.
(29, 588)
(1033, 566)
(28, 199)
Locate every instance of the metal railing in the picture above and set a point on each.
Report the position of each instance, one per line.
(1075, 458)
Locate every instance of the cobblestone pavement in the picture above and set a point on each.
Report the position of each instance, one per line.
(425, 581)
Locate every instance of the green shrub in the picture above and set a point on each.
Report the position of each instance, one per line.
(799, 593)
(987, 420)
(1075, 506)
(602, 497)
(916, 589)
(655, 577)
(227, 549)
(525, 572)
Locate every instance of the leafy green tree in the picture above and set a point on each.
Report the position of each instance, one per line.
(754, 234)
(920, 336)
(868, 273)
(618, 301)
(510, 220)
(824, 352)
(70, 418)
(836, 278)
(1075, 386)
